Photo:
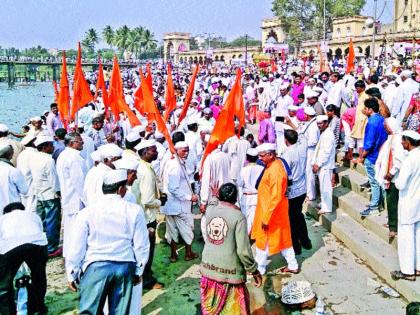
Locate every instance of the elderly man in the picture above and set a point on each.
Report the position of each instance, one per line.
(404, 94)
(92, 189)
(96, 131)
(147, 193)
(4, 139)
(46, 189)
(408, 183)
(71, 171)
(12, 182)
(323, 163)
(312, 100)
(271, 228)
(179, 220)
(109, 249)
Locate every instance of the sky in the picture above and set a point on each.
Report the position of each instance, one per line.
(61, 23)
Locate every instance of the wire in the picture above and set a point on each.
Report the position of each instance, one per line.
(382, 12)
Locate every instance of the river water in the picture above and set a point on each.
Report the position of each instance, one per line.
(22, 102)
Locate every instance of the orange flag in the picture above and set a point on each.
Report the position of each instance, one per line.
(81, 91)
(153, 113)
(170, 99)
(188, 95)
(273, 66)
(63, 99)
(55, 91)
(225, 123)
(100, 85)
(116, 97)
(350, 58)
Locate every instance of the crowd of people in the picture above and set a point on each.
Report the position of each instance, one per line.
(109, 184)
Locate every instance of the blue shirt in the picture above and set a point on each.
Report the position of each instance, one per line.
(375, 136)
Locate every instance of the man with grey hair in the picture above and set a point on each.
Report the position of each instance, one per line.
(4, 139)
(403, 95)
(12, 182)
(71, 171)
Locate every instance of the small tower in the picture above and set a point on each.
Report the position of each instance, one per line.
(174, 43)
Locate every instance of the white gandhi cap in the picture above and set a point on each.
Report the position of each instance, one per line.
(126, 164)
(110, 150)
(145, 144)
(266, 147)
(115, 176)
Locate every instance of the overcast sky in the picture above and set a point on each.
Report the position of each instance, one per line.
(61, 23)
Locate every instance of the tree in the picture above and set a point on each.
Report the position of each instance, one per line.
(303, 19)
(108, 35)
(149, 41)
(135, 40)
(242, 41)
(121, 37)
(91, 39)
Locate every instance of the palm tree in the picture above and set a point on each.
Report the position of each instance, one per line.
(135, 40)
(108, 35)
(91, 39)
(121, 37)
(149, 41)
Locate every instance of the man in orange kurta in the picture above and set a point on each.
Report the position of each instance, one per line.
(271, 228)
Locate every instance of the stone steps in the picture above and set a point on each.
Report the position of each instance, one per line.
(367, 238)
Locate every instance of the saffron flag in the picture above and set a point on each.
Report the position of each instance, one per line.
(152, 111)
(273, 66)
(350, 58)
(63, 100)
(55, 91)
(100, 86)
(81, 91)
(170, 99)
(116, 97)
(188, 95)
(225, 123)
(283, 57)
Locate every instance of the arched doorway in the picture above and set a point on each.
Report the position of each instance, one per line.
(170, 51)
(367, 51)
(216, 58)
(338, 53)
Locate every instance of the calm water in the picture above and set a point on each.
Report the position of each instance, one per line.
(21, 102)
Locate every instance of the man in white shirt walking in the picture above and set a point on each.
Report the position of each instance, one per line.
(109, 249)
(323, 163)
(45, 187)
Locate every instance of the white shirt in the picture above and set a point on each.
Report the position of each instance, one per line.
(191, 164)
(408, 183)
(248, 178)
(71, 171)
(176, 185)
(88, 148)
(110, 230)
(334, 94)
(283, 102)
(236, 151)
(92, 190)
(23, 163)
(295, 156)
(324, 155)
(404, 94)
(44, 175)
(311, 132)
(13, 235)
(215, 171)
(12, 185)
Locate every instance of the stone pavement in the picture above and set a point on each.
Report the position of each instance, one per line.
(346, 285)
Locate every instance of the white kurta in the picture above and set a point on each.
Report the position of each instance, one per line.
(28, 200)
(404, 94)
(191, 164)
(236, 151)
(44, 175)
(311, 133)
(12, 185)
(88, 148)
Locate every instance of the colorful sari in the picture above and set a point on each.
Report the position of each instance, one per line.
(224, 298)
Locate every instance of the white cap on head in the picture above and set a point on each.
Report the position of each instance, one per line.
(318, 89)
(138, 129)
(252, 152)
(133, 137)
(192, 120)
(158, 135)
(96, 156)
(284, 86)
(43, 139)
(406, 73)
(311, 94)
(126, 164)
(28, 138)
(110, 150)
(411, 134)
(36, 118)
(145, 144)
(4, 128)
(115, 176)
(181, 145)
(296, 292)
(206, 110)
(266, 147)
(321, 118)
(292, 108)
(264, 79)
(309, 110)
(97, 115)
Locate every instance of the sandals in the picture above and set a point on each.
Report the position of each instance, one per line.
(398, 275)
(193, 256)
(285, 269)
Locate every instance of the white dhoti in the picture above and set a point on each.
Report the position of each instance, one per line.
(310, 176)
(248, 205)
(180, 224)
(69, 221)
(261, 257)
(349, 141)
(326, 189)
(409, 247)
(280, 141)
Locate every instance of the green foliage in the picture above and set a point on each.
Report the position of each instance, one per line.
(304, 19)
(90, 40)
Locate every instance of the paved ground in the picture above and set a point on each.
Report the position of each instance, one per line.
(346, 285)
